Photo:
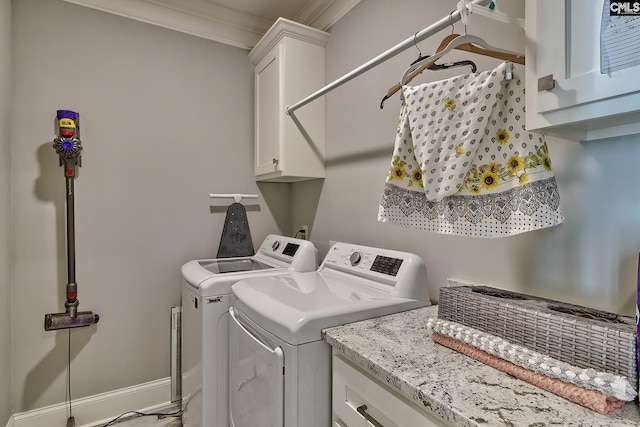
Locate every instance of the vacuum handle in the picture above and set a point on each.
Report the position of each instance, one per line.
(71, 232)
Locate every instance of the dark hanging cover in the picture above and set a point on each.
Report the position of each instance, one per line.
(236, 237)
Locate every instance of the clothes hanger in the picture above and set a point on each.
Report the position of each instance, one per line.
(441, 66)
(434, 67)
(393, 89)
(477, 45)
(466, 42)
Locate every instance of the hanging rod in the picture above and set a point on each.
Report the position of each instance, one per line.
(448, 20)
(236, 197)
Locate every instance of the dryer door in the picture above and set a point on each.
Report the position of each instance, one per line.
(256, 379)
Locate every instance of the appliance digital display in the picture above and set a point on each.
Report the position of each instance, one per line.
(290, 249)
(386, 265)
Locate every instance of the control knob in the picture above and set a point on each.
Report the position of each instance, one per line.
(355, 258)
(275, 245)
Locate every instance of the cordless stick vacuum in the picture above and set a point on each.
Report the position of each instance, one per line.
(69, 147)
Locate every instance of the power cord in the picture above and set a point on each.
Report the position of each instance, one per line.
(71, 422)
(301, 231)
(160, 415)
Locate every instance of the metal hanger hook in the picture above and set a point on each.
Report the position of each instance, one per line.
(415, 43)
(451, 20)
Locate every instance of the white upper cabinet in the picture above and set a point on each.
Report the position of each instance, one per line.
(564, 51)
(289, 65)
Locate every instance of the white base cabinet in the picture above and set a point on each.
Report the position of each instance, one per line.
(359, 400)
(289, 65)
(580, 101)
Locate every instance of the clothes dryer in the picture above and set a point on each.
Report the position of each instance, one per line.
(279, 367)
(206, 298)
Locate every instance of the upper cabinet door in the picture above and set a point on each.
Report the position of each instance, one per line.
(268, 113)
(587, 100)
(289, 65)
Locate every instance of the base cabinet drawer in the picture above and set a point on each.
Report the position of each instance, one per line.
(359, 400)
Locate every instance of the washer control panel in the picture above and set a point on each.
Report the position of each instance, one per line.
(283, 251)
(280, 245)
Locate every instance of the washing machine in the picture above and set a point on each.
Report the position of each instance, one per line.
(206, 298)
(279, 367)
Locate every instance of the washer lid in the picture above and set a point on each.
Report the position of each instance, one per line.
(275, 253)
(198, 271)
(296, 307)
(232, 265)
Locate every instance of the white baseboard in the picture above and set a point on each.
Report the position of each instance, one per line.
(100, 408)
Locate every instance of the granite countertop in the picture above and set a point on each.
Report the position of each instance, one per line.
(398, 350)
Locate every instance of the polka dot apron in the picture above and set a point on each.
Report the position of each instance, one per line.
(464, 164)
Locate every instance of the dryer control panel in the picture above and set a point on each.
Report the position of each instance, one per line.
(397, 273)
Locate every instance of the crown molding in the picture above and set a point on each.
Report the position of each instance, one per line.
(229, 29)
(323, 14)
(286, 28)
(204, 19)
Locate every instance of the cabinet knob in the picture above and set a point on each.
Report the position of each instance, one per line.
(546, 83)
(275, 162)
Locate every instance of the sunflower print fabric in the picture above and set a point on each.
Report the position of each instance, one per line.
(464, 163)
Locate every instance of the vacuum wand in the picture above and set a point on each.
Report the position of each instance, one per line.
(69, 147)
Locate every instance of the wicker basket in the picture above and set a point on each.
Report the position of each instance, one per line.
(578, 335)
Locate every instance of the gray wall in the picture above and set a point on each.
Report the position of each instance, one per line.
(166, 119)
(5, 211)
(591, 259)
